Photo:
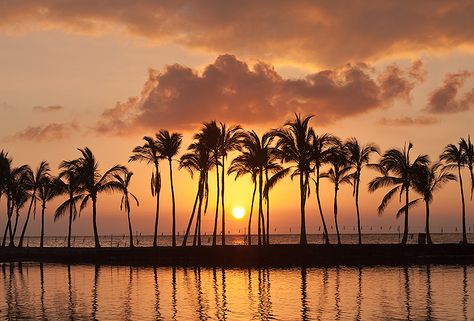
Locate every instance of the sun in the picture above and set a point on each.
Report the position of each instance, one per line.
(238, 212)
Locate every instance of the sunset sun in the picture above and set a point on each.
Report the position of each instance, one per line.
(238, 212)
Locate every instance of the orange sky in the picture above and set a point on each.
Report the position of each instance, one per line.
(102, 75)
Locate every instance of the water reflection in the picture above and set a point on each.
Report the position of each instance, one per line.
(90, 292)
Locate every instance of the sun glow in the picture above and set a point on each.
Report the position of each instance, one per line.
(238, 212)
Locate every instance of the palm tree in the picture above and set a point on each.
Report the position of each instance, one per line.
(93, 183)
(321, 147)
(359, 157)
(243, 165)
(468, 151)
(42, 172)
(210, 136)
(454, 157)
(197, 160)
(397, 172)
(5, 172)
(426, 181)
(69, 184)
(168, 146)
(48, 189)
(148, 153)
(338, 174)
(294, 145)
(123, 182)
(20, 191)
(229, 141)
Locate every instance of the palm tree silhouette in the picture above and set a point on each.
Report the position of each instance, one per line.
(243, 165)
(294, 145)
(468, 151)
(229, 141)
(35, 180)
(359, 157)
(20, 190)
(454, 157)
(68, 180)
(168, 147)
(321, 147)
(93, 183)
(122, 182)
(49, 188)
(338, 174)
(6, 180)
(210, 136)
(397, 172)
(426, 180)
(197, 160)
(257, 158)
(148, 153)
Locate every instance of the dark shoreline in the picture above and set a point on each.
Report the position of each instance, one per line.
(278, 255)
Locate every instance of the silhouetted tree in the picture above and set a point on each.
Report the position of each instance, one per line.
(338, 174)
(427, 180)
(122, 182)
(49, 188)
(397, 172)
(93, 183)
(321, 147)
(168, 147)
(359, 157)
(294, 145)
(229, 140)
(20, 187)
(5, 174)
(42, 172)
(70, 185)
(197, 160)
(148, 153)
(454, 157)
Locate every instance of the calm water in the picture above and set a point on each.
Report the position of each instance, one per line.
(87, 292)
(123, 240)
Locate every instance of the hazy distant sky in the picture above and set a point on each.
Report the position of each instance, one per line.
(104, 73)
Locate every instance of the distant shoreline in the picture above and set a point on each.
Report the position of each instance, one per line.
(278, 255)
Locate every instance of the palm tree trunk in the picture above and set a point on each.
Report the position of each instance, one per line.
(197, 233)
(214, 233)
(336, 188)
(20, 244)
(464, 235)
(357, 209)
(188, 228)
(427, 223)
(249, 231)
(69, 229)
(8, 227)
(157, 213)
(222, 200)
(303, 239)
(268, 207)
(130, 227)
(94, 222)
(260, 206)
(173, 205)
(12, 237)
(405, 230)
(43, 206)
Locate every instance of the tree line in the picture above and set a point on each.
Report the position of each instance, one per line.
(294, 150)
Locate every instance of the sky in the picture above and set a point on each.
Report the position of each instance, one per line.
(103, 74)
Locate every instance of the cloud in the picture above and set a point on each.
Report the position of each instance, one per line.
(328, 33)
(408, 121)
(45, 109)
(447, 99)
(49, 132)
(231, 90)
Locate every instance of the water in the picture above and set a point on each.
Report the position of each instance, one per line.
(123, 240)
(87, 292)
